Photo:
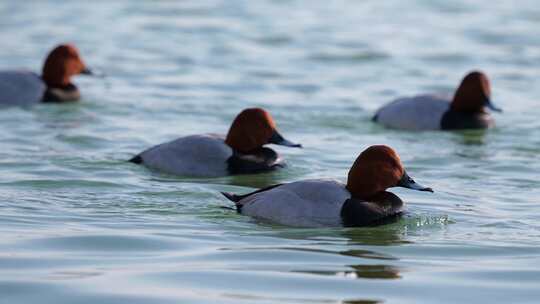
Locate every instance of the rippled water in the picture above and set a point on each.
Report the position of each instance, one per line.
(81, 225)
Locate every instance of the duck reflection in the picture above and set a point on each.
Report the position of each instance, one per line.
(383, 235)
(363, 271)
(375, 271)
(372, 264)
(361, 302)
(378, 271)
(471, 137)
(393, 231)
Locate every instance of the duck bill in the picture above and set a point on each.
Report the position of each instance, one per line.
(492, 107)
(407, 182)
(280, 140)
(93, 73)
(87, 71)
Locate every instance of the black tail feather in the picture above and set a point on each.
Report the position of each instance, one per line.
(232, 197)
(137, 159)
(237, 198)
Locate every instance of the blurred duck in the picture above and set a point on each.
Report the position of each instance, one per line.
(467, 110)
(363, 201)
(25, 88)
(242, 151)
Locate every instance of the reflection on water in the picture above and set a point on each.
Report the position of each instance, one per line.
(471, 137)
(331, 243)
(73, 275)
(361, 272)
(361, 302)
(376, 271)
(359, 253)
(243, 297)
(378, 236)
(367, 254)
(392, 234)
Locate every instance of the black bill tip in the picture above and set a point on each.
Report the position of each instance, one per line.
(87, 71)
(280, 140)
(407, 182)
(492, 107)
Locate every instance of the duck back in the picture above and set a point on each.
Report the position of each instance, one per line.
(423, 112)
(308, 203)
(196, 155)
(20, 88)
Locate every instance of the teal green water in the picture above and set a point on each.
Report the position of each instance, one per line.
(79, 224)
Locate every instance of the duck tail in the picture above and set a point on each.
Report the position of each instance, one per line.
(137, 159)
(232, 197)
(237, 198)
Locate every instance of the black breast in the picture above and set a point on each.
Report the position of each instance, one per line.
(380, 209)
(453, 120)
(260, 160)
(62, 94)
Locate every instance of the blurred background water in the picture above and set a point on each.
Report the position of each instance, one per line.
(81, 225)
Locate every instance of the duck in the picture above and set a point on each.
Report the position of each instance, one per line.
(466, 110)
(26, 88)
(241, 151)
(362, 201)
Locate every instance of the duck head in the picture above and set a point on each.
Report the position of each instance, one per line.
(61, 64)
(473, 94)
(376, 169)
(253, 128)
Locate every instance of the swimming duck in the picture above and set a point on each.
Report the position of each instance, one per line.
(467, 110)
(24, 88)
(363, 201)
(242, 151)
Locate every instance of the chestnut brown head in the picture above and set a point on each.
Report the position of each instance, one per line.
(253, 128)
(473, 94)
(61, 64)
(376, 169)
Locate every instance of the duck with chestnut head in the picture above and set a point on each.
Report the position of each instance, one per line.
(241, 151)
(362, 201)
(468, 109)
(25, 88)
